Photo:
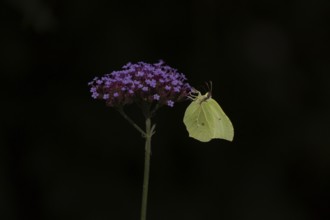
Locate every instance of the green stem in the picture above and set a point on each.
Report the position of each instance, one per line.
(149, 132)
(121, 111)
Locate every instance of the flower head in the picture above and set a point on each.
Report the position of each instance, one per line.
(141, 82)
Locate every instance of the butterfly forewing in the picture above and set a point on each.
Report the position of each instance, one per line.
(196, 123)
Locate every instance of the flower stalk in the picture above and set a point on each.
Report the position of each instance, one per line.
(149, 132)
(121, 111)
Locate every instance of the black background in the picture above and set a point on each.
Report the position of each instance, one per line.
(64, 155)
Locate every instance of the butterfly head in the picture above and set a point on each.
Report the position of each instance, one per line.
(197, 95)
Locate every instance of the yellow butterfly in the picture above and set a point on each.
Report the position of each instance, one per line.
(205, 120)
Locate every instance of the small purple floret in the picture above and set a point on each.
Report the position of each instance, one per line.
(105, 96)
(176, 89)
(156, 97)
(95, 95)
(170, 103)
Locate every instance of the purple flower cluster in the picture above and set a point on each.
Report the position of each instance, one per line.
(141, 82)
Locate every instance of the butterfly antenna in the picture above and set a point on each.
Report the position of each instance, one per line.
(209, 88)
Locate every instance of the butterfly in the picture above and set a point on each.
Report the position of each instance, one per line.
(205, 120)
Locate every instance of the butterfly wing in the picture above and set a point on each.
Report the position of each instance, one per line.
(220, 125)
(196, 122)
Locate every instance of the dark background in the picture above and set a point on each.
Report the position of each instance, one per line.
(65, 156)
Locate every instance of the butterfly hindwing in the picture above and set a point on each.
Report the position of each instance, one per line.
(223, 127)
(196, 122)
